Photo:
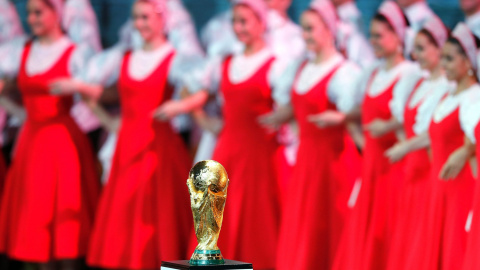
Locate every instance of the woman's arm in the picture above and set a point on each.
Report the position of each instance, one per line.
(172, 108)
(457, 161)
(401, 149)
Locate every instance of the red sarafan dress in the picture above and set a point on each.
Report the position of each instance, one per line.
(248, 152)
(443, 241)
(366, 238)
(51, 190)
(316, 206)
(144, 214)
(414, 195)
(472, 254)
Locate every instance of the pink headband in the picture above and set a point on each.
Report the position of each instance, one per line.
(463, 34)
(258, 6)
(395, 17)
(437, 29)
(327, 12)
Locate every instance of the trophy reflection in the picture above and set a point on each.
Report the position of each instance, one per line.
(207, 184)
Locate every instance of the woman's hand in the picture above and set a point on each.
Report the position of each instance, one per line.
(327, 119)
(455, 163)
(64, 87)
(212, 124)
(397, 152)
(378, 128)
(273, 120)
(169, 110)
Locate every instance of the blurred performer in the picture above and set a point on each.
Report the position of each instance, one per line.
(417, 12)
(52, 188)
(250, 85)
(80, 23)
(316, 205)
(470, 122)
(144, 215)
(471, 8)
(416, 113)
(444, 239)
(10, 25)
(349, 37)
(365, 243)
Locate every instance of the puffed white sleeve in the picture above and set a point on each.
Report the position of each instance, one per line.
(104, 67)
(343, 87)
(364, 80)
(186, 72)
(84, 31)
(79, 61)
(470, 114)
(10, 25)
(403, 89)
(282, 77)
(427, 108)
(10, 55)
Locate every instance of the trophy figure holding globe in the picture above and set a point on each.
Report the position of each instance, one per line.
(207, 184)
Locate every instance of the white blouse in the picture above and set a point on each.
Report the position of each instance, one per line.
(285, 37)
(80, 22)
(339, 90)
(244, 67)
(384, 78)
(43, 57)
(104, 68)
(10, 25)
(430, 93)
(470, 113)
(450, 103)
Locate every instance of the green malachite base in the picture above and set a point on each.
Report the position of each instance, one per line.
(207, 257)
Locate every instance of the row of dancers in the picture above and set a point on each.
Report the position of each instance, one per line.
(405, 200)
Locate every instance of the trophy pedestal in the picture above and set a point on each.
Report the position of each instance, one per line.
(176, 265)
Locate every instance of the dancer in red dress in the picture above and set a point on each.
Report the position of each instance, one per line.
(144, 214)
(470, 121)
(366, 239)
(443, 239)
(317, 203)
(416, 115)
(250, 88)
(51, 191)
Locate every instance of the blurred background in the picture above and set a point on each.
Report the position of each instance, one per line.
(112, 14)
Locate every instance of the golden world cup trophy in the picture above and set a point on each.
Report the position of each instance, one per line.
(207, 184)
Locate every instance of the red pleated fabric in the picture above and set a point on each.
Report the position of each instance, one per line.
(316, 203)
(472, 254)
(249, 153)
(442, 243)
(414, 195)
(52, 187)
(366, 239)
(144, 215)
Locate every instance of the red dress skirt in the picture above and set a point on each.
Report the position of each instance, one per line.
(248, 153)
(316, 206)
(365, 241)
(52, 187)
(144, 214)
(443, 240)
(414, 195)
(472, 254)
